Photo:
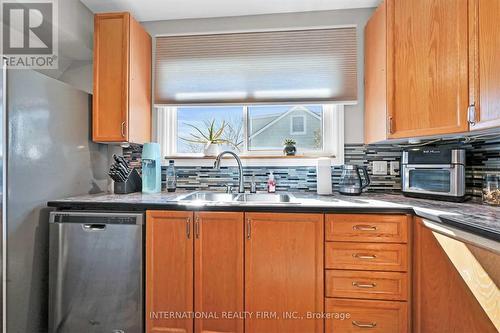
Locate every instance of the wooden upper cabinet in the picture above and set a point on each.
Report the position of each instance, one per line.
(427, 49)
(376, 76)
(484, 64)
(122, 80)
(218, 271)
(169, 270)
(283, 272)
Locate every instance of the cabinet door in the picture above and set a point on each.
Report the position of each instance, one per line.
(283, 272)
(219, 271)
(376, 77)
(111, 77)
(485, 67)
(139, 122)
(428, 67)
(442, 300)
(169, 271)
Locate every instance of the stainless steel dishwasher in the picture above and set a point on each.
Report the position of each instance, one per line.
(96, 272)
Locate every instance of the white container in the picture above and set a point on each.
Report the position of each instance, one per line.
(211, 149)
(324, 176)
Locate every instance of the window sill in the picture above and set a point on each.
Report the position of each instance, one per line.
(253, 161)
(245, 157)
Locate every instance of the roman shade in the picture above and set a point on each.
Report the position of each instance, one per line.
(259, 67)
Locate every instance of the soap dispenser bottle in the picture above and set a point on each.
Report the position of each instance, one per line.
(271, 183)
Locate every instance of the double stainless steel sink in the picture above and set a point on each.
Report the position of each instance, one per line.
(243, 198)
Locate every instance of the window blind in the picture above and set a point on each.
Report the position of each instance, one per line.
(259, 67)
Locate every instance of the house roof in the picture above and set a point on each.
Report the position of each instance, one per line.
(295, 108)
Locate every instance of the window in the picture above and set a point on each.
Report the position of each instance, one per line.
(251, 130)
(298, 124)
(194, 125)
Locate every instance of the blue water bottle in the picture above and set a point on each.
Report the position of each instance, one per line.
(151, 168)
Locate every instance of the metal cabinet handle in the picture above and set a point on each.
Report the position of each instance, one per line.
(364, 284)
(188, 227)
(364, 227)
(197, 227)
(249, 229)
(364, 325)
(364, 256)
(391, 125)
(471, 114)
(123, 129)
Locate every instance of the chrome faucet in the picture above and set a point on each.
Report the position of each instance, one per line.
(241, 186)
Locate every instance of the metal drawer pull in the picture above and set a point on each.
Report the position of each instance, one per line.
(364, 284)
(197, 227)
(249, 229)
(364, 256)
(364, 227)
(363, 325)
(188, 228)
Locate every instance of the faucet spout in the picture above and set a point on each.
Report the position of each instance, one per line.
(241, 186)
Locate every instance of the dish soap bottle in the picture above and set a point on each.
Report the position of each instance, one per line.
(171, 177)
(271, 183)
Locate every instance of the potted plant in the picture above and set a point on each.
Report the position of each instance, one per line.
(210, 137)
(289, 148)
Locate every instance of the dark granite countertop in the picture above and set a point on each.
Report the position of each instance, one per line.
(473, 217)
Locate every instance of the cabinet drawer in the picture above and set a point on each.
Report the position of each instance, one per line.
(367, 316)
(362, 284)
(367, 228)
(366, 256)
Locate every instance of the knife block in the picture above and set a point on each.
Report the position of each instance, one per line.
(131, 185)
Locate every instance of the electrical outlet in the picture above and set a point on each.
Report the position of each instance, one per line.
(379, 168)
(394, 168)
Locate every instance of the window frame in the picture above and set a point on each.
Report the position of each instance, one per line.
(165, 133)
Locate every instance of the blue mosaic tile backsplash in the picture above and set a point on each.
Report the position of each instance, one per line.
(482, 157)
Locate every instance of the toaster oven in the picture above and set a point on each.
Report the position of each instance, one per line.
(434, 173)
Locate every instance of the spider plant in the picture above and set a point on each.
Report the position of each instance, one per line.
(210, 134)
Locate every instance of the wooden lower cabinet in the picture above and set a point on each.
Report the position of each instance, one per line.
(366, 256)
(218, 273)
(443, 301)
(283, 272)
(367, 285)
(349, 315)
(169, 271)
(194, 267)
(374, 228)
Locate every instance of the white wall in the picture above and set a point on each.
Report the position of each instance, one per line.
(354, 114)
(76, 31)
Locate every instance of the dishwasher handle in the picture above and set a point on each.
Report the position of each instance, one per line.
(94, 227)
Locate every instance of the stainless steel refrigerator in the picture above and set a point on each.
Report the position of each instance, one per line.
(46, 153)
